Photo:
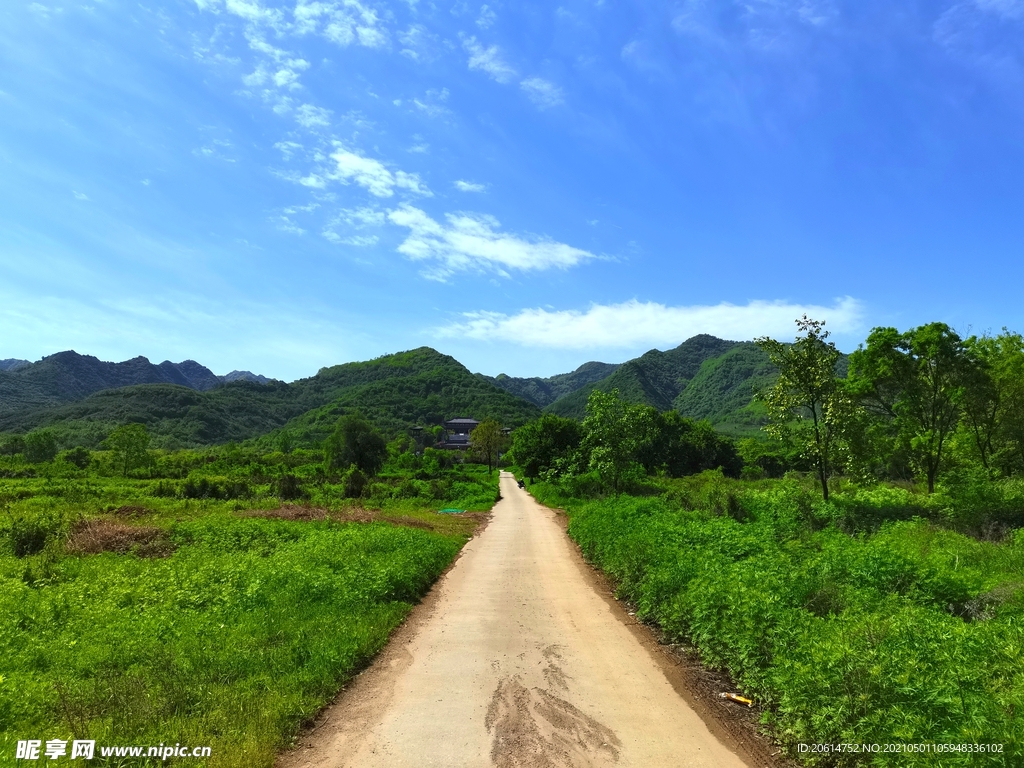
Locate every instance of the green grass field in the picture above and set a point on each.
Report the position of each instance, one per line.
(134, 616)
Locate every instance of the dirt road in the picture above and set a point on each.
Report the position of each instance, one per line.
(516, 661)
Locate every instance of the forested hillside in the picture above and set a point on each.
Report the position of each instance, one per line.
(704, 378)
(545, 391)
(421, 387)
(68, 376)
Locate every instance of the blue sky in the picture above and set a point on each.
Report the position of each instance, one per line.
(279, 186)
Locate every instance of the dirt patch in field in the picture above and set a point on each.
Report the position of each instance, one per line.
(91, 537)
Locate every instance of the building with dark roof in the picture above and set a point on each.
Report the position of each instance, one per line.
(456, 432)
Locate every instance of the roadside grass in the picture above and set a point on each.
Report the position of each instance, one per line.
(856, 622)
(214, 622)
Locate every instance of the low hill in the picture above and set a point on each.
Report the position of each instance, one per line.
(419, 387)
(542, 392)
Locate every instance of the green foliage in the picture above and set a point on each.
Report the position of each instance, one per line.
(702, 378)
(233, 629)
(355, 442)
(129, 444)
(915, 383)
(487, 441)
(616, 437)
(809, 389)
(546, 444)
(78, 456)
(908, 634)
(40, 446)
(394, 392)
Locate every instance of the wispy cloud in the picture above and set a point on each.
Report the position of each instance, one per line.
(488, 60)
(635, 324)
(469, 186)
(542, 92)
(486, 18)
(79, 195)
(376, 178)
(310, 116)
(976, 33)
(472, 242)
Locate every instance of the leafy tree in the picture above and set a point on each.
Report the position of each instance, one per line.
(285, 442)
(79, 457)
(355, 442)
(545, 443)
(686, 447)
(993, 403)
(916, 382)
(12, 445)
(808, 389)
(488, 441)
(617, 436)
(129, 444)
(40, 446)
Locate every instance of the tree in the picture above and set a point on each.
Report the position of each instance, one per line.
(686, 447)
(129, 444)
(993, 402)
(617, 436)
(488, 440)
(355, 442)
(545, 443)
(917, 382)
(40, 446)
(808, 389)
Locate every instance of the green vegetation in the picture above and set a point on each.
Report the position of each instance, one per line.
(808, 387)
(703, 378)
(419, 387)
(858, 620)
(544, 391)
(864, 580)
(217, 597)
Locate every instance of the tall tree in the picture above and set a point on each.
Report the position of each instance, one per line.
(617, 436)
(545, 443)
(129, 444)
(40, 446)
(488, 440)
(993, 403)
(809, 390)
(355, 442)
(917, 380)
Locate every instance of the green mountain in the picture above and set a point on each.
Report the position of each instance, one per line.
(68, 376)
(704, 377)
(419, 387)
(543, 392)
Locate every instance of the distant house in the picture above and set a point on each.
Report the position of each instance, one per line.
(456, 432)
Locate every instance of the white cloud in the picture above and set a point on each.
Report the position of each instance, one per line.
(469, 186)
(486, 18)
(432, 104)
(635, 324)
(471, 242)
(288, 148)
(542, 92)
(488, 60)
(310, 116)
(370, 174)
(79, 195)
(361, 241)
(343, 23)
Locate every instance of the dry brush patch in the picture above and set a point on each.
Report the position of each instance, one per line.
(91, 537)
